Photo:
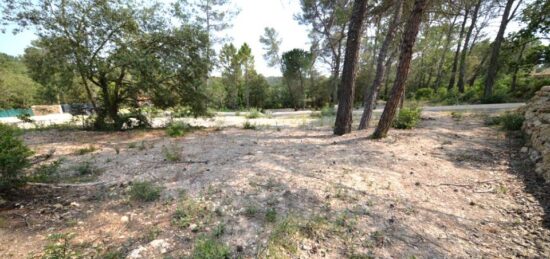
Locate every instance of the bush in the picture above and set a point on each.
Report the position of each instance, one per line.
(249, 126)
(253, 114)
(178, 129)
(511, 121)
(209, 248)
(407, 118)
(424, 94)
(144, 191)
(48, 173)
(14, 156)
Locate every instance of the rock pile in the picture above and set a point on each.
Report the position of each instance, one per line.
(537, 127)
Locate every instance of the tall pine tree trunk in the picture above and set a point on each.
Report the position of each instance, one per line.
(441, 62)
(516, 68)
(372, 92)
(462, 71)
(492, 69)
(343, 121)
(398, 89)
(455, 60)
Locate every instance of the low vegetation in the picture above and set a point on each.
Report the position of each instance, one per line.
(14, 157)
(510, 121)
(178, 129)
(144, 191)
(407, 118)
(210, 248)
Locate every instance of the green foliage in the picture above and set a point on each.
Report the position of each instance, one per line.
(25, 117)
(86, 150)
(14, 155)
(18, 90)
(249, 126)
(190, 212)
(209, 248)
(254, 114)
(512, 121)
(144, 191)
(296, 66)
(85, 168)
(407, 118)
(424, 94)
(59, 247)
(271, 215)
(178, 129)
(47, 173)
(172, 153)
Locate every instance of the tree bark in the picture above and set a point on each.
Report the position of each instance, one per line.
(516, 68)
(455, 60)
(462, 71)
(398, 89)
(492, 69)
(441, 61)
(474, 76)
(372, 92)
(343, 121)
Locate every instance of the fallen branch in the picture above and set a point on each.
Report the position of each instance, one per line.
(24, 218)
(60, 185)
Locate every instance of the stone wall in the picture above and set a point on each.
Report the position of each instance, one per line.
(537, 127)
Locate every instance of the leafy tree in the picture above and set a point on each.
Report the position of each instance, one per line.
(296, 65)
(271, 43)
(17, 89)
(328, 20)
(121, 49)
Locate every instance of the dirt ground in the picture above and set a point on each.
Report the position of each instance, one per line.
(450, 188)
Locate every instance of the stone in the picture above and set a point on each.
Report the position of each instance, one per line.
(154, 249)
(524, 149)
(125, 219)
(58, 206)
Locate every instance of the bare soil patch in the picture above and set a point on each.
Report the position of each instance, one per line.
(451, 188)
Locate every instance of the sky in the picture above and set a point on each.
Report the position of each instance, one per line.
(247, 27)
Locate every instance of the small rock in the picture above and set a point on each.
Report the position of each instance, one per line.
(194, 227)
(125, 219)
(524, 149)
(58, 206)
(74, 204)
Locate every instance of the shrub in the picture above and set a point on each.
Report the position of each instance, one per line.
(512, 121)
(253, 114)
(178, 129)
(493, 120)
(271, 215)
(47, 173)
(14, 156)
(190, 212)
(25, 117)
(86, 150)
(59, 246)
(172, 153)
(328, 111)
(249, 126)
(209, 248)
(407, 118)
(144, 191)
(424, 93)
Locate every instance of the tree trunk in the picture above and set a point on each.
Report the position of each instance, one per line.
(372, 92)
(516, 68)
(343, 121)
(388, 71)
(474, 76)
(398, 89)
(455, 60)
(441, 62)
(492, 69)
(462, 71)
